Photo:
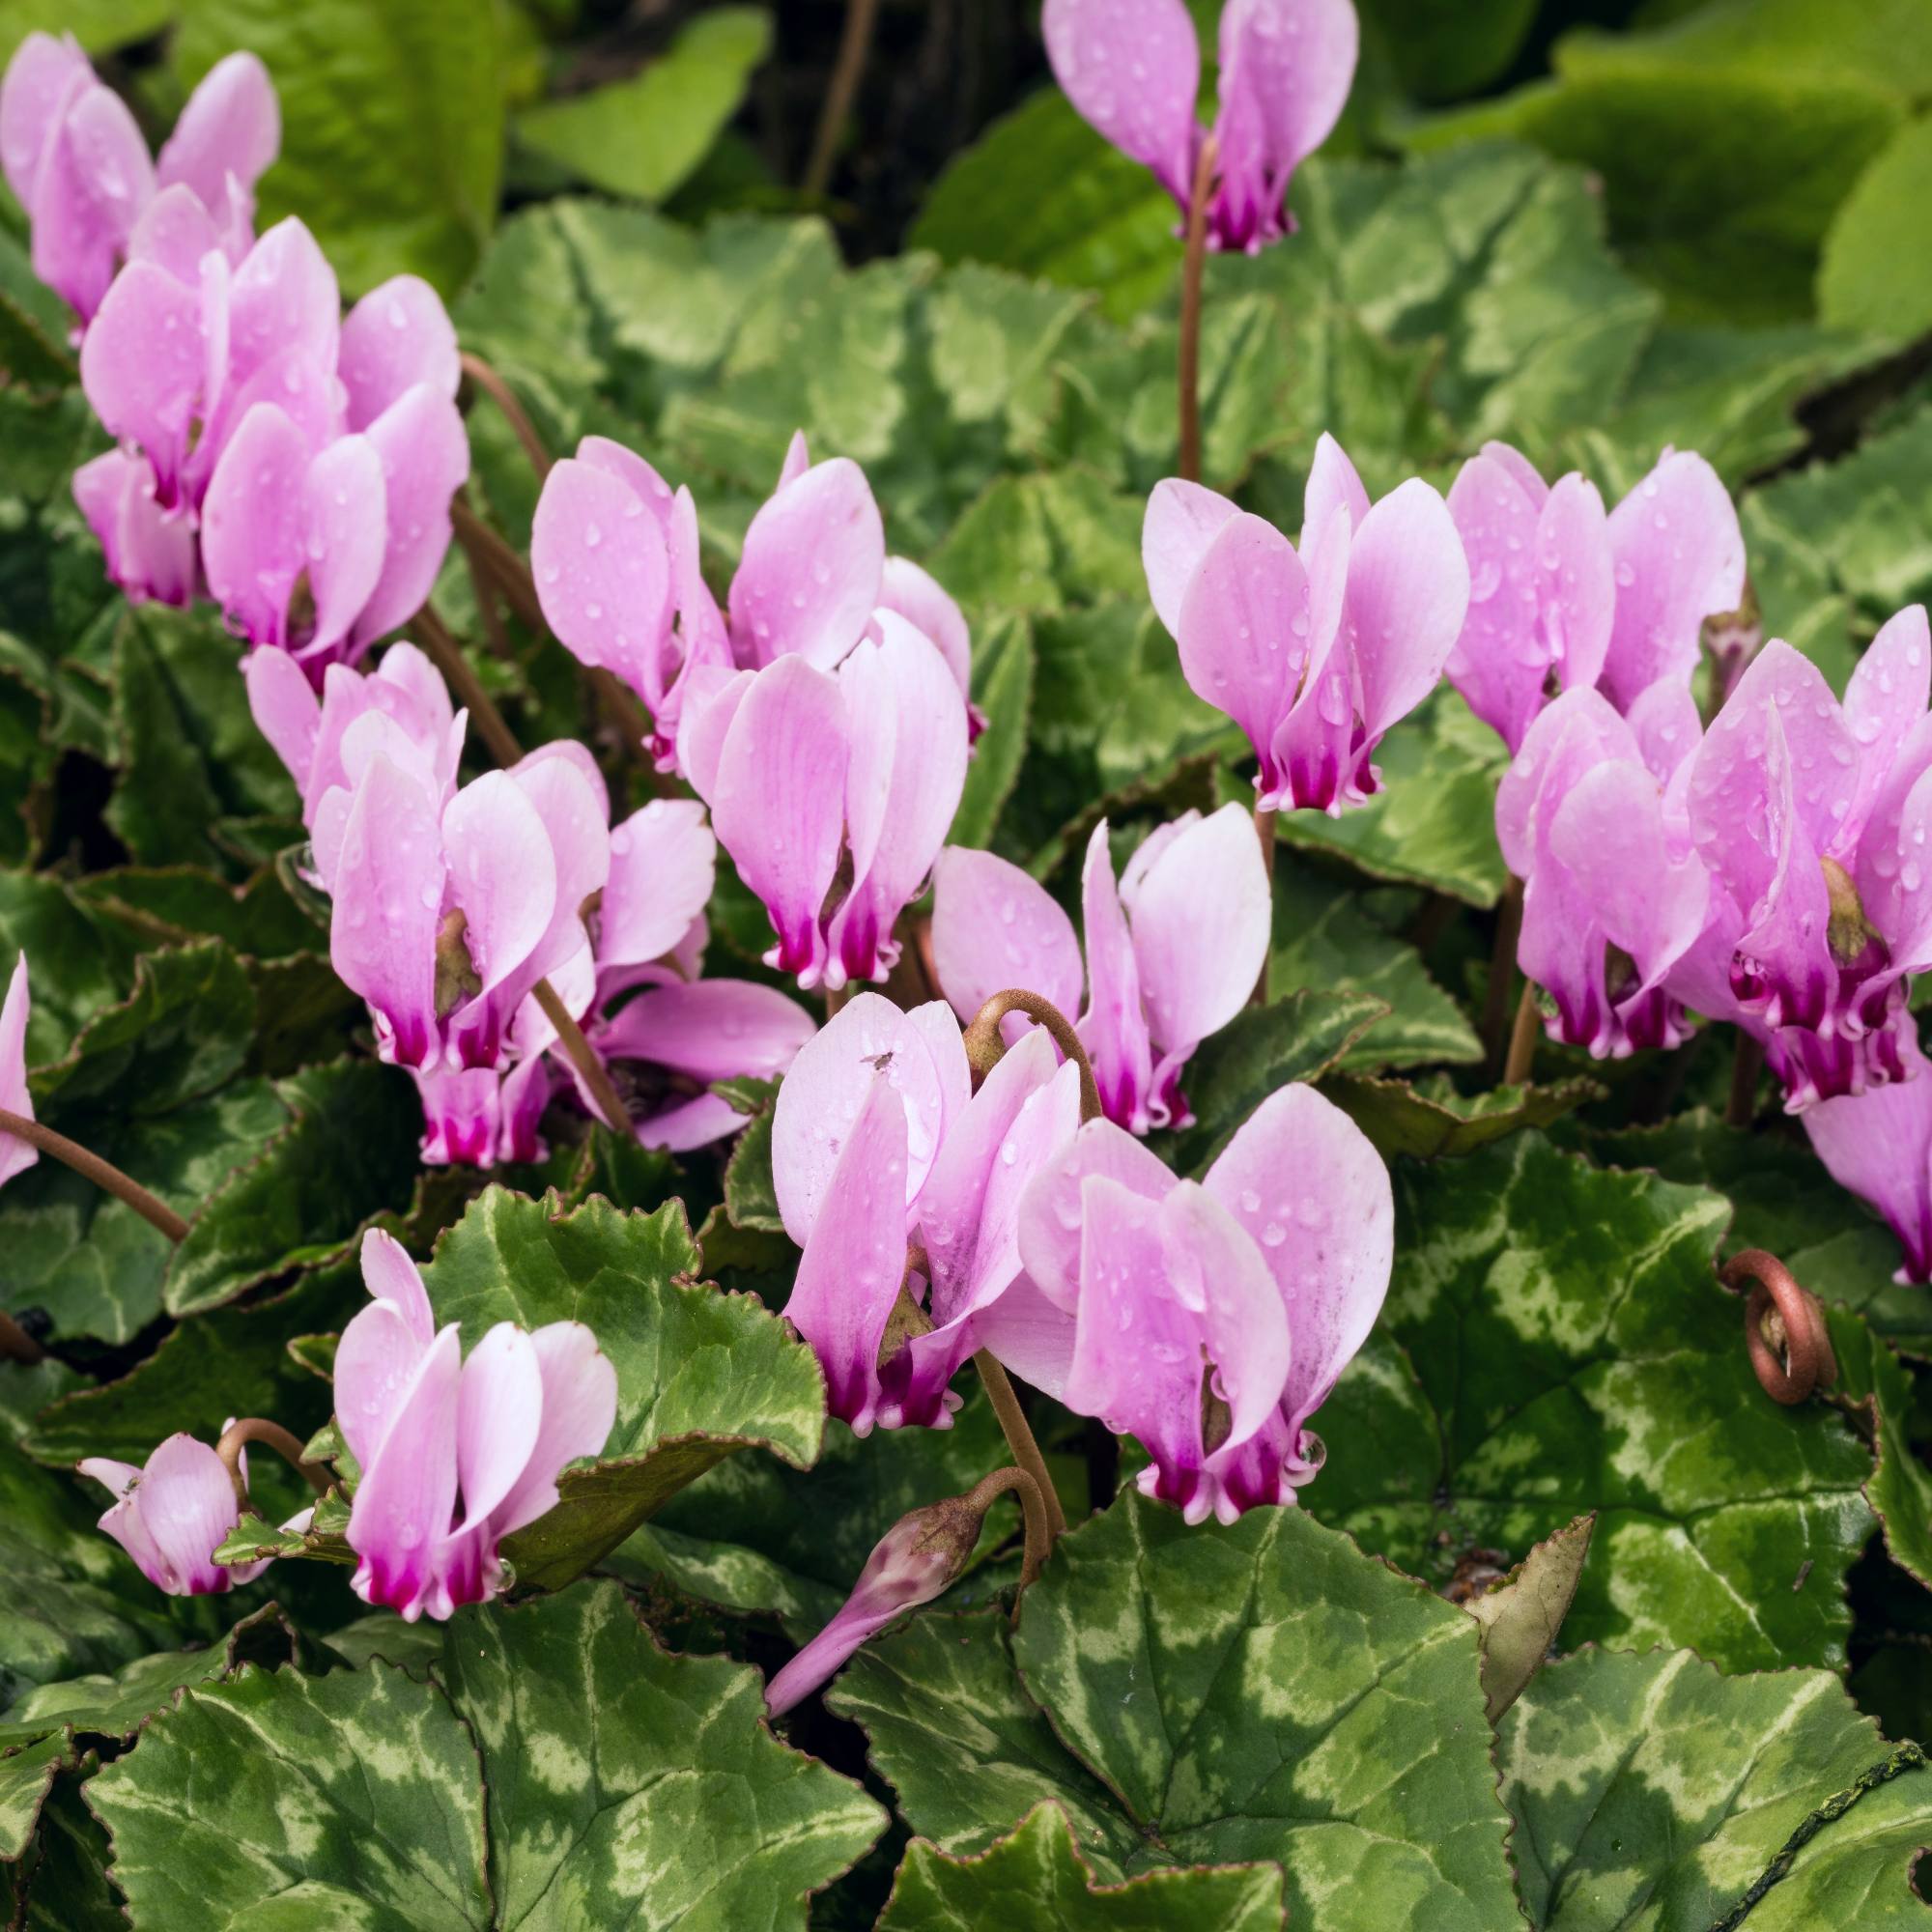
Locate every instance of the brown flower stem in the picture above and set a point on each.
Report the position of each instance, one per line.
(16, 1345)
(258, 1429)
(1265, 822)
(1746, 1063)
(1033, 1510)
(1523, 1038)
(854, 42)
(1503, 971)
(92, 1168)
(1193, 262)
(583, 1057)
(491, 551)
(1786, 1332)
(486, 379)
(985, 1048)
(1019, 1438)
(447, 653)
(836, 998)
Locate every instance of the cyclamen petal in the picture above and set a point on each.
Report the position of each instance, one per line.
(1879, 1146)
(1131, 68)
(917, 596)
(425, 457)
(995, 927)
(813, 561)
(171, 1515)
(1182, 523)
(228, 135)
(94, 178)
(397, 337)
(40, 80)
(664, 860)
(151, 554)
(16, 1154)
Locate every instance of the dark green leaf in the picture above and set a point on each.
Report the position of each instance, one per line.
(1431, 1122)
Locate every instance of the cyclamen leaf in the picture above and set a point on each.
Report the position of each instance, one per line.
(1571, 1349)
(1431, 1122)
(699, 1372)
(1211, 1696)
(1651, 1792)
(1035, 1880)
(1900, 1489)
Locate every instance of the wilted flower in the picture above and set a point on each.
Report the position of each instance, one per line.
(1211, 1321)
(1132, 68)
(1313, 653)
(424, 1425)
(172, 1515)
(75, 159)
(1173, 952)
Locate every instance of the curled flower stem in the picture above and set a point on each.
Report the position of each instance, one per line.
(1523, 1037)
(583, 1056)
(1784, 1326)
(854, 42)
(985, 1048)
(16, 1345)
(1020, 1439)
(1503, 971)
(259, 1429)
(500, 392)
(1746, 1063)
(1265, 822)
(455, 667)
(1192, 263)
(1033, 1510)
(92, 1168)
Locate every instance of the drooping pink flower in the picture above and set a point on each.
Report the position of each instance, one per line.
(1314, 653)
(914, 1562)
(1131, 68)
(16, 1154)
(1542, 588)
(1678, 557)
(172, 1514)
(1813, 818)
(1616, 902)
(1878, 1144)
(880, 1148)
(151, 554)
(426, 1427)
(1172, 951)
(850, 775)
(78, 166)
(1211, 1321)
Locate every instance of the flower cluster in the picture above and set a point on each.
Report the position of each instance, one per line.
(294, 464)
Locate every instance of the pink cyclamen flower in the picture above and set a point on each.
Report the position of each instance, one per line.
(850, 775)
(1616, 903)
(1314, 653)
(424, 1425)
(173, 1514)
(1172, 951)
(1542, 588)
(1878, 1144)
(78, 166)
(914, 1562)
(615, 554)
(16, 1154)
(1813, 818)
(1210, 1320)
(879, 1149)
(1132, 68)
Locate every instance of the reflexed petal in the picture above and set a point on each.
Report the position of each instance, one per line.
(174, 232)
(1885, 700)
(1529, 479)
(1879, 1144)
(579, 1409)
(1305, 1182)
(779, 803)
(1332, 485)
(94, 181)
(185, 1504)
(1050, 1210)
(283, 302)
(1408, 592)
(504, 873)
(345, 535)
(712, 1030)
(1667, 728)
(603, 452)
(574, 809)
(285, 709)
(848, 1277)
(252, 524)
(1131, 68)
(1200, 919)
(1498, 664)
(151, 553)
(15, 1155)
(1679, 558)
(663, 861)
(1114, 1028)
(389, 1274)
(231, 126)
(602, 568)
(1182, 519)
(401, 1516)
(498, 1414)
(809, 578)
(398, 336)
(425, 458)
(995, 927)
(42, 79)
(1578, 577)
(141, 365)
(918, 597)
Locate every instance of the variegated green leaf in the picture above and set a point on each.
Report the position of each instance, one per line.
(349, 1800)
(629, 1786)
(1432, 1121)
(1211, 1695)
(1569, 1349)
(699, 1372)
(1035, 1880)
(1651, 1794)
